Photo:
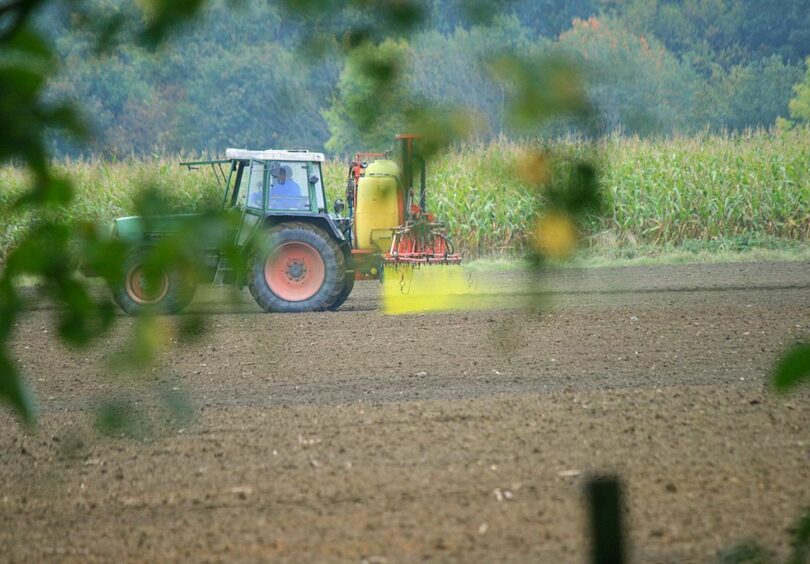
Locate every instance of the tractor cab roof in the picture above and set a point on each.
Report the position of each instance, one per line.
(273, 155)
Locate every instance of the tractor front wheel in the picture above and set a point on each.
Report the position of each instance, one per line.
(167, 292)
(301, 268)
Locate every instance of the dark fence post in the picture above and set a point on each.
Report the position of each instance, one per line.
(605, 513)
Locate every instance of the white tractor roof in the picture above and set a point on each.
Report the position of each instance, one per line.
(273, 155)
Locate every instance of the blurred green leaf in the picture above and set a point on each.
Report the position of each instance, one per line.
(192, 327)
(151, 337)
(81, 318)
(800, 540)
(10, 305)
(355, 37)
(164, 15)
(68, 119)
(402, 14)
(178, 406)
(20, 83)
(440, 126)
(120, 417)
(542, 88)
(14, 391)
(746, 553)
(27, 41)
(43, 251)
(578, 192)
(48, 191)
(793, 368)
(100, 253)
(482, 12)
(107, 31)
(372, 101)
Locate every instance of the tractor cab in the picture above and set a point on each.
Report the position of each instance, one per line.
(269, 185)
(269, 181)
(265, 186)
(275, 181)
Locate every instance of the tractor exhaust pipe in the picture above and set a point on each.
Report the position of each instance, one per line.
(407, 156)
(422, 194)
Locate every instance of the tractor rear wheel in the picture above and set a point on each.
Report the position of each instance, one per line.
(169, 292)
(348, 286)
(300, 269)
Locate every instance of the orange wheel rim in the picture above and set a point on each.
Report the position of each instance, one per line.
(294, 271)
(141, 290)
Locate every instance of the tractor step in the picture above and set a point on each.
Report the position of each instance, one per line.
(223, 267)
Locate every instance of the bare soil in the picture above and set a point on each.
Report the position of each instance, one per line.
(464, 436)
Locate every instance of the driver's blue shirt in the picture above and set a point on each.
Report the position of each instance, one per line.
(288, 188)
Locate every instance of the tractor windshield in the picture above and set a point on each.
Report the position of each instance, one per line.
(288, 185)
(254, 191)
(282, 185)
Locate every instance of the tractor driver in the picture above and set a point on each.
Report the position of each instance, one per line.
(285, 193)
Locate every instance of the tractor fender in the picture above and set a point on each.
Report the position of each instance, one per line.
(323, 221)
(137, 229)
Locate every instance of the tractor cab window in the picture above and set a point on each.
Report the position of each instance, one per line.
(238, 171)
(255, 188)
(289, 188)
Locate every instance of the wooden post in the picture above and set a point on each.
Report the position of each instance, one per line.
(605, 513)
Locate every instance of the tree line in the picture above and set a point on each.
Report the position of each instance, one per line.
(244, 75)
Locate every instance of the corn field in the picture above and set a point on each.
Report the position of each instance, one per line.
(657, 192)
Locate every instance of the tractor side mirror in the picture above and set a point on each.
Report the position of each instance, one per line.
(313, 179)
(339, 205)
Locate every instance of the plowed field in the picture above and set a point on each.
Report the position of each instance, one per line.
(462, 436)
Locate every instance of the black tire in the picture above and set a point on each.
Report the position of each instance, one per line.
(173, 293)
(348, 285)
(282, 281)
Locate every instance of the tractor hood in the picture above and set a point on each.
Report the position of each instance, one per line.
(137, 228)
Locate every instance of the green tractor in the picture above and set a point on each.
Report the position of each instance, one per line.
(296, 255)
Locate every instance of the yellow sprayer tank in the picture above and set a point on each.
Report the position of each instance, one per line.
(379, 205)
